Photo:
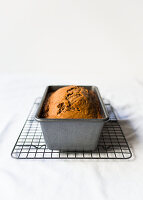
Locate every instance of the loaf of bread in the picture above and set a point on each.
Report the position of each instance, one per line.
(72, 102)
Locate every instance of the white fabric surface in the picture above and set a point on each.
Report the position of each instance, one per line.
(70, 179)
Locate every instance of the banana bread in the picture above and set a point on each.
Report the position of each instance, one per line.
(72, 102)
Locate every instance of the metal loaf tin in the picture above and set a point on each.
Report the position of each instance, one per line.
(71, 134)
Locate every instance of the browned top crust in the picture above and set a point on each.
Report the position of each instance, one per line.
(72, 102)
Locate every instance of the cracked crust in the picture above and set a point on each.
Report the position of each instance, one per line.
(72, 102)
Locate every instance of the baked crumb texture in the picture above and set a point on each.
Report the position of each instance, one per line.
(72, 102)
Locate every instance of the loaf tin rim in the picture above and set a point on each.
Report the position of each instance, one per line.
(39, 119)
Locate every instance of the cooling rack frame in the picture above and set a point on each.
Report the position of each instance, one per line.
(31, 145)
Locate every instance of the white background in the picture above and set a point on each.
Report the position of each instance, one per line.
(98, 42)
(85, 38)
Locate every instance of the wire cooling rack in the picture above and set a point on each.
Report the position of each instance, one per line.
(31, 145)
